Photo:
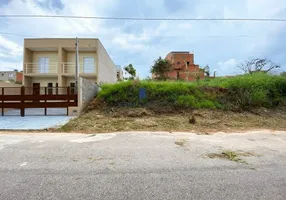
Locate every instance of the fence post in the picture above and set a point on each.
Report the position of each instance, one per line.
(57, 88)
(68, 102)
(45, 101)
(2, 101)
(22, 101)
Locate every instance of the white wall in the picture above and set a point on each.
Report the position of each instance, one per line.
(44, 81)
(107, 71)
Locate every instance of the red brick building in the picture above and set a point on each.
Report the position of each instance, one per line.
(19, 77)
(183, 66)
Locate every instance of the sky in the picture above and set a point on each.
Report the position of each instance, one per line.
(220, 44)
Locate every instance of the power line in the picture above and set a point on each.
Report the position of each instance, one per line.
(16, 34)
(130, 36)
(145, 19)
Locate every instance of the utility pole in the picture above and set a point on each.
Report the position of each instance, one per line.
(76, 65)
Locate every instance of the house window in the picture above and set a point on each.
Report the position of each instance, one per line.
(72, 87)
(88, 65)
(50, 88)
(188, 63)
(43, 66)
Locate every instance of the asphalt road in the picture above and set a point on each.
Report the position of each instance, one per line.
(142, 166)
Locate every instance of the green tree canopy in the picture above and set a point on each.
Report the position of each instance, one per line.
(131, 71)
(207, 70)
(160, 67)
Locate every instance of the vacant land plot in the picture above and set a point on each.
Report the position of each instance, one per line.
(222, 104)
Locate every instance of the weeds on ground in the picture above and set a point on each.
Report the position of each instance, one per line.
(181, 142)
(231, 155)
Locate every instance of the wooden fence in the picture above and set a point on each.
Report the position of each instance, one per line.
(42, 97)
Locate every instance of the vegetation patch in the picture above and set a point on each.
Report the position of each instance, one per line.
(236, 93)
(181, 142)
(231, 155)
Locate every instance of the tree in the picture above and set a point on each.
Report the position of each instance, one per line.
(131, 71)
(283, 74)
(258, 65)
(207, 70)
(160, 68)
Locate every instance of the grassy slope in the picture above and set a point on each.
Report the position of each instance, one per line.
(240, 92)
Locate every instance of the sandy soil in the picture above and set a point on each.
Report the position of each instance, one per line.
(101, 120)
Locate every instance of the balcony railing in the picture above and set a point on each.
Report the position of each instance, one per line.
(84, 67)
(38, 68)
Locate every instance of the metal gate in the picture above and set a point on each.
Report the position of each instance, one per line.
(37, 97)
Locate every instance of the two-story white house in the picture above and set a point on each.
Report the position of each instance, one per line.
(51, 62)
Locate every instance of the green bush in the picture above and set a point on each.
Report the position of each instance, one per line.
(239, 92)
(254, 90)
(191, 101)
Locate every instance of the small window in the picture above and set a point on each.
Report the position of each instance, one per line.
(72, 87)
(188, 63)
(50, 88)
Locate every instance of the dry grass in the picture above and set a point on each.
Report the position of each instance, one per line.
(234, 156)
(181, 142)
(207, 121)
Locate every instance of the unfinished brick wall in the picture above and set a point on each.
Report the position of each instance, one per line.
(183, 63)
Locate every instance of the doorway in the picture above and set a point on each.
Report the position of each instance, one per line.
(72, 87)
(50, 88)
(36, 88)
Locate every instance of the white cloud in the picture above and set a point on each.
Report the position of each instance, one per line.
(127, 44)
(231, 62)
(228, 67)
(10, 66)
(133, 43)
(9, 48)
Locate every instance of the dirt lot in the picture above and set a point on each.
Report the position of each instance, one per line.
(102, 119)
